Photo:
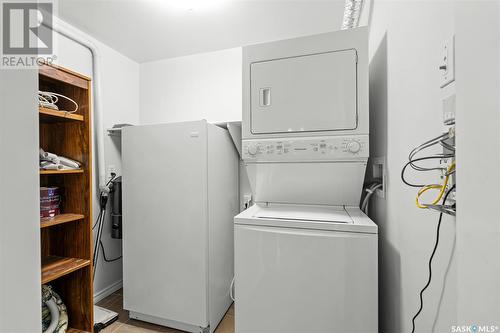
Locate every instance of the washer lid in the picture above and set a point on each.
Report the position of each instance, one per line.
(304, 213)
(314, 217)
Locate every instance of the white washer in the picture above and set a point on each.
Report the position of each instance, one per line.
(305, 269)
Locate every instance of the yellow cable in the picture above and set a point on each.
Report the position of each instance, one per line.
(442, 189)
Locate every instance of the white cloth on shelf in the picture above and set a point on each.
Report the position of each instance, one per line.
(47, 165)
(50, 161)
(69, 162)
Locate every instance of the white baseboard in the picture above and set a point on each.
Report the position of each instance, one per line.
(98, 296)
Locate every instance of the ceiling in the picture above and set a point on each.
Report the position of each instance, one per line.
(147, 30)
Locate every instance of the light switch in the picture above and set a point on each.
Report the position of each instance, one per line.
(447, 64)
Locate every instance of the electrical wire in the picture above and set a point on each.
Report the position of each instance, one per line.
(97, 220)
(447, 146)
(403, 171)
(98, 245)
(446, 209)
(49, 100)
(423, 146)
(428, 144)
(104, 254)
(442, 189)
(101, 195)
(231, 292)
(95, 259)
(430, 261)
(442, 194)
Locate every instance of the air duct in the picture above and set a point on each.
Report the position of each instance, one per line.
(96, 79)
(352, 13)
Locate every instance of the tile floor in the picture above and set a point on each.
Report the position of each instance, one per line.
(114, 302)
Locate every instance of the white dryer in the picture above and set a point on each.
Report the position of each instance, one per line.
(305, 255)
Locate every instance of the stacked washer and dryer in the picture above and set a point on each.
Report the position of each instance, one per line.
(305, 254)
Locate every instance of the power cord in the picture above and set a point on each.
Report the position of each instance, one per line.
(104, 254)
(430, 261)
(231, 288)
(98, 245)
(97, 220)
(442, 208)
(49, 100)
(441, 188)
(432, 142)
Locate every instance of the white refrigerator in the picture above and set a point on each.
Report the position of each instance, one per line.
(180, 194)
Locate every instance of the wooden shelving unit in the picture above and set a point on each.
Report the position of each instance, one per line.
(66, 240)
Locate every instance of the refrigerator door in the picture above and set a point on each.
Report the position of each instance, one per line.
(299, 280)
(165, 221)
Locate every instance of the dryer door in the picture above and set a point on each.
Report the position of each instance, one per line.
(305, 93)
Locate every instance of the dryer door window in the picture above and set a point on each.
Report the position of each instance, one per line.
(304, 94)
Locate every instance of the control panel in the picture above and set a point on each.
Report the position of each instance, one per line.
(307, 149)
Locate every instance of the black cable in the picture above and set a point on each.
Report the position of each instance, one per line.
(428, 144)
(430, 262)
(416, 160)
(113, 176)
(95, 259)
(97, 220)
(104, 254)
(415, 167)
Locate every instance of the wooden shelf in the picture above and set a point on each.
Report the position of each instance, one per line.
(60, 172)
(50, 116)
(53, 267)
(60, 219)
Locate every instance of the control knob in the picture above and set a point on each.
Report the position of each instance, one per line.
(354, 147)
(252, 149)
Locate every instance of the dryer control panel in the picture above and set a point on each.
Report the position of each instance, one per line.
(307, 149)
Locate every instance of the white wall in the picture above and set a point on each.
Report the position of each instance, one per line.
(478, 157)
(202, 86)
(120, 103)
(19, 203)
(208, 85)
(405, 107)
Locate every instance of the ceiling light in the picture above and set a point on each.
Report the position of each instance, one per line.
(191, 5)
